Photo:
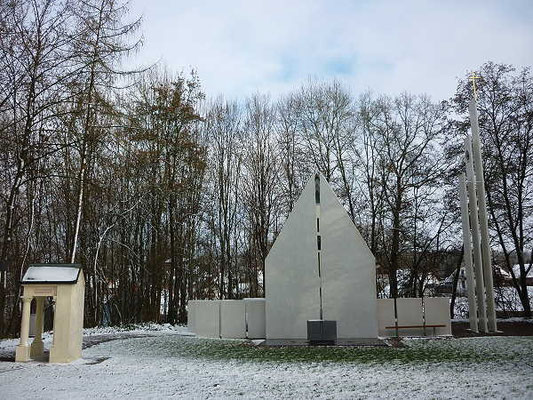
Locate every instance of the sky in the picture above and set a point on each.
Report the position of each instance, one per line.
(241, 47)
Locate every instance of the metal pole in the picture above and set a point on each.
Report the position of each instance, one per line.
(467, 248)
(474, 223)
(483, 219)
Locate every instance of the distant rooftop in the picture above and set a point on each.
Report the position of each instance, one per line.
(516, 270)
(52, 273)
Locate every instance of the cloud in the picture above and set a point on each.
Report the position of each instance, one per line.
(241, 47)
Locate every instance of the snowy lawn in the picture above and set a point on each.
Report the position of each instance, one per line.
(168, 364)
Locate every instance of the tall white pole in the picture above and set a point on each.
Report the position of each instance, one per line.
(474, 223)
(467, 251)
(483, 218)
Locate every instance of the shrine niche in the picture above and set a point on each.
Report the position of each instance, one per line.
(65, 284)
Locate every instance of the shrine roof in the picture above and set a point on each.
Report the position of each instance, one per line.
(52, 273)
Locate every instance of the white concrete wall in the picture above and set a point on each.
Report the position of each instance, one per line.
(232, 319)
(246, 318)
(386, 317)
(190, 315)
(237, 318)
(255, 318)
(291, 273)
(409, 311)
(437, 312)
(348, 271)
(207, 318)
(347, 266)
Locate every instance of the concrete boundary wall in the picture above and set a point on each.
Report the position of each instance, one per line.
(255, 318)
(409, 313)
(386, 317)
(239, 319)
(437, 312)
(414, 311)
(232, 319)
(206, 318)
(191, 314)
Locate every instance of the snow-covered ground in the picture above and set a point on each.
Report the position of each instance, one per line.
(92, 336)
(164, 363)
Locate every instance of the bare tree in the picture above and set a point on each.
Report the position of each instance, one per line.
(292, 156)
(261, 178)
(224, 131)
(34, 75)
(410, 169)
(99, 43)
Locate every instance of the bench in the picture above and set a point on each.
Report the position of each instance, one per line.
(435, 326)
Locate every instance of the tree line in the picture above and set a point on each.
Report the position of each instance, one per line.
(164, 194)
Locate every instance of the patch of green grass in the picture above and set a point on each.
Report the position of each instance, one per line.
(432, 351)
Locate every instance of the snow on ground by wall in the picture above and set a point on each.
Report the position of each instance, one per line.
(506, 298)
(168, 364)
(137, 328)
(7, 346)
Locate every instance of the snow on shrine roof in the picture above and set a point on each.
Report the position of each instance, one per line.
(52, 273)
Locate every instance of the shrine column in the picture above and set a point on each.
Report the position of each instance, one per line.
(23, 349)
(37, 347)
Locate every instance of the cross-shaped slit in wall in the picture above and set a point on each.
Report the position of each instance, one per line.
(318, 239)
